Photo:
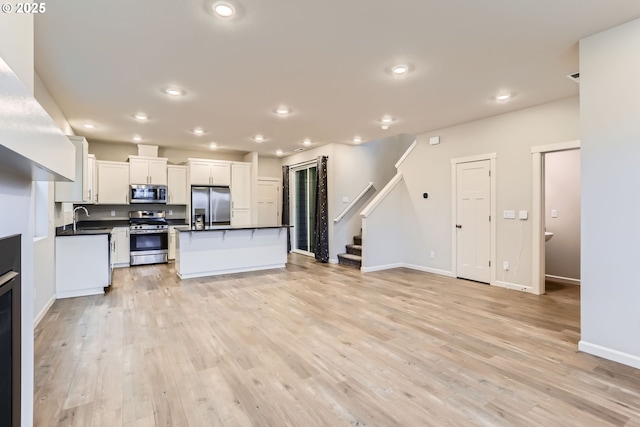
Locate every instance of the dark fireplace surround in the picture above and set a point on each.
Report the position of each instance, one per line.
(10, 331)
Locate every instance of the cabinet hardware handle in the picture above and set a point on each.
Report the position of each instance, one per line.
(458, 226)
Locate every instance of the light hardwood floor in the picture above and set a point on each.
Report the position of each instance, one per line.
(322, 345)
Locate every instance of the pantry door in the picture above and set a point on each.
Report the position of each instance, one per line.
(473, 220)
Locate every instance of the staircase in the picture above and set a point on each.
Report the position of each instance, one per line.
(353, 257)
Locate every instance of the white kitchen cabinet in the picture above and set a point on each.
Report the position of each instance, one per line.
(240, 194)
(113, 182)
(240, 185)
(172, 243)
(240, 217)
(82, 265)
(120, 247)
(177, 185)
(78, 190)
(209, 172)
(148, 170)
(91, 178)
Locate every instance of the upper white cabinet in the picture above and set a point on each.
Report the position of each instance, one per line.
(241, 186)
(148, 170)
(78, 190)
(113, 182)
(177, 185)
(91, 178)
(209, 172)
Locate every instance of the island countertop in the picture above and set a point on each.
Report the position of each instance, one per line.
(188, 229)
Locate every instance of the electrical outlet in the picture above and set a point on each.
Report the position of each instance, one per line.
(432, 254)
(523, 215)
(345, 200)
(505, 265)
(113, 213)
(170, 212)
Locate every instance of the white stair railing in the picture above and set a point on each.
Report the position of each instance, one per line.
(354, 202)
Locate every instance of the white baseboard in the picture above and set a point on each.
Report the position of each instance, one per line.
(405, 265)
(381, 267)
(565, 280)
(333, 261)
(44, 310)
(429, 270)
(610, 354)
(513, 286)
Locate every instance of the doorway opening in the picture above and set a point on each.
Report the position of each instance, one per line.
(546, 218)
(305, 178)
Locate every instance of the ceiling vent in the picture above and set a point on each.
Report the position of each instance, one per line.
(298, 150)
(575, 77)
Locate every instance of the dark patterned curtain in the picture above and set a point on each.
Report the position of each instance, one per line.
(321, 232)
(285, 203)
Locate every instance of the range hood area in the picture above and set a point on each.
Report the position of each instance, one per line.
(31, 144)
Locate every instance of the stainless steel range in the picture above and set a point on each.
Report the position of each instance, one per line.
(149, 237)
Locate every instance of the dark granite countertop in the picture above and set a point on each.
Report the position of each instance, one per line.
(188, 229)
(88, 231)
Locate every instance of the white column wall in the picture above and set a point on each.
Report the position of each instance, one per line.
(610, 137)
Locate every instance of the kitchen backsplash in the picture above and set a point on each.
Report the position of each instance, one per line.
(121, 212)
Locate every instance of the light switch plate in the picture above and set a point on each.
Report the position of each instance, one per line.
(523, 214)
(554, 213)
(434, 140)
(509, 214)
(345, 200)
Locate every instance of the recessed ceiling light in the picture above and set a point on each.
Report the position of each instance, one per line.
(137, 138)
(400, 70)
(141, 116)
(279, 152)
(198, 131)
(386, 119)
(306, 141)
(384, 127)
(503, 96)
(213, 145)
(174, 91)
(89, 126)
(223, 10)
(357, 139)
(258, 138)
(283, 111)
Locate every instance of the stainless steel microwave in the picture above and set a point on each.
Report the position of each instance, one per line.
(148, 193)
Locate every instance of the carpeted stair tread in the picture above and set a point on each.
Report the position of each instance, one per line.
(357, 240)
(350, 260)
(354, 249)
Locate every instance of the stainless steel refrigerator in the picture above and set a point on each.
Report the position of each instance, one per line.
(210, 206)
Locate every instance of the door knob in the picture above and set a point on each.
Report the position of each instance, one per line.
(458, 226)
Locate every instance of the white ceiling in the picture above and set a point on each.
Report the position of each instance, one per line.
(328, 60)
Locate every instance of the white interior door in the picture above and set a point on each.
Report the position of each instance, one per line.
(473, 224)
(268, 202)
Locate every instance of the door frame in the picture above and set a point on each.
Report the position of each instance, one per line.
(538, 216)
(492, 157)
(292, 203)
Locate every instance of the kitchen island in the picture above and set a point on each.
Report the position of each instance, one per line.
(227, 249)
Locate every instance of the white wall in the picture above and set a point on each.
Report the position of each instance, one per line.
(269, 167)
(562, 194)
(350, 169)
(16, 48)
(428, 169)
(610, 135)
(44, 248)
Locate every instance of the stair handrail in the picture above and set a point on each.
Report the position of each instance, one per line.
(381, 195)
(354, 202)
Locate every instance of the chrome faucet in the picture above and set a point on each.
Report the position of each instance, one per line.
(77, 208)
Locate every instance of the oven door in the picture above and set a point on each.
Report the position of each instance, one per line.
(148, 247)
